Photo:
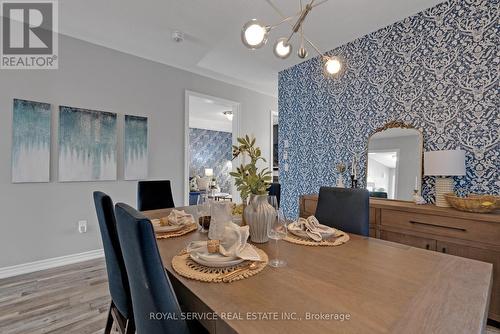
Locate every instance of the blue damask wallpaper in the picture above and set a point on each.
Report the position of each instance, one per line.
(437, 70)
(211, 149)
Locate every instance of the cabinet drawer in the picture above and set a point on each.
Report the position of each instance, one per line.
(409, 240)
(445, 226)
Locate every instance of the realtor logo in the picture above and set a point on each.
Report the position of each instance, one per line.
(29, 35)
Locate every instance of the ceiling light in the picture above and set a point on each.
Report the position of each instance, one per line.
(282, 49)
(254, 34)
(333, 65)
(178, 36)
(228, 114)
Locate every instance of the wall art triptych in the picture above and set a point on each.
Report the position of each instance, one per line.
(136, 147)
(30, 141)
(87, 144)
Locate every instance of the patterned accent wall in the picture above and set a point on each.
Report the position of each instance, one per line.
(211, 149)
(437, 70)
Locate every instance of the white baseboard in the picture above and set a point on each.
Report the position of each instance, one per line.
(49, 263)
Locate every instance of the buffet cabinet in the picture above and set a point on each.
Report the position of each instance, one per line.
(471, 235)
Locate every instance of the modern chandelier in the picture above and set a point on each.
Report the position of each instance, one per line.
(255, 34)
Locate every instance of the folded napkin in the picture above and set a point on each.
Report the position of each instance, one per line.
(175, 218)
(312, 228)
(232, 244)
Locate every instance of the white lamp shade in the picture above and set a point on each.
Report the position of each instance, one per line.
(209, 172)
(444, 163)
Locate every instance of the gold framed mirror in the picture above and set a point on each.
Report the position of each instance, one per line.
(394, 162)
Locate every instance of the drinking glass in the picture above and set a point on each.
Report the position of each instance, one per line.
(277, 231)
(204, 212)
(273, 200)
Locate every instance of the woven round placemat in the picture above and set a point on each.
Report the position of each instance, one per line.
(184, 266)
(188, 229)
(308, 242)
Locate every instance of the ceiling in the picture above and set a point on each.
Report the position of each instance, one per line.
(205, 113)
(388, 159)
(212, 46)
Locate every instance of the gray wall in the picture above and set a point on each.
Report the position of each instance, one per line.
(38, 221)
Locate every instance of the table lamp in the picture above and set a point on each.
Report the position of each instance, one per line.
(444, 164)
(209, 172)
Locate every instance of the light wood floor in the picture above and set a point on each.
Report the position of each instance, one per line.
(67, 300)
(72, 299)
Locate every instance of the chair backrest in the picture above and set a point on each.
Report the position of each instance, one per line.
(151, 290)
(379, 194)
(117, 275)
(275, 190)
(344, 208)
(153, 195)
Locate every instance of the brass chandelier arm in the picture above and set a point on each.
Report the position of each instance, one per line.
(314, 47)
(298, 24)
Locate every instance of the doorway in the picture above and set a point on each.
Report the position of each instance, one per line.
(211, 128)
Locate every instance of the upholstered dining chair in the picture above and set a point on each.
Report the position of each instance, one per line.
(150, 287)
(120, 310)
(275, 190)
(344, 208)
(153, 195)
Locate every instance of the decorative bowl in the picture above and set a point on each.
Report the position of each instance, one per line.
(474, 203)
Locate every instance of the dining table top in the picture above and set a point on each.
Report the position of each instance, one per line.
(366, 285)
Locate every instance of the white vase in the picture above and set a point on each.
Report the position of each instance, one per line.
(259, 214)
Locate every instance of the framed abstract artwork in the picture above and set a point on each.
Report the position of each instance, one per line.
(136, 148)
(87, 145)
(31, 124)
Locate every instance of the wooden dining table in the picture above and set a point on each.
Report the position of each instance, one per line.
(363, 286)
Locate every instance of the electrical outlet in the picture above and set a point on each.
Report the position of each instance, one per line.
(285, 155)
(82, 226)
(286, 167)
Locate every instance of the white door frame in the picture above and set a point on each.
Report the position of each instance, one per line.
(236, 106)
(271, 143)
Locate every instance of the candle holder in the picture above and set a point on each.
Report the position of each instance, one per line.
(354, 182)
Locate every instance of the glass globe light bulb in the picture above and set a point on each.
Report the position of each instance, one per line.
(333, 66)
(282, 49)
(254, 34)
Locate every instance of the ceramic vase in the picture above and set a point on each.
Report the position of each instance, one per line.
(259, 214)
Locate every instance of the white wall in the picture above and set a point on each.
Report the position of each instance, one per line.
(38, 221)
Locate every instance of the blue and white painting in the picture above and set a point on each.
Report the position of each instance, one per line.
(30, 142)
(87, 145)
(136, 147)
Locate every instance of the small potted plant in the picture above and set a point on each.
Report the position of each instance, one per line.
(253, 185)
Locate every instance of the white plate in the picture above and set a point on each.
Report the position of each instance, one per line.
(168, 228)
(216, 260)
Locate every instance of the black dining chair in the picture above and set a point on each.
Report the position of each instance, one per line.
(378, 194)
(344, 208)
(153, 195)
(150, 287)
(120, 310)
(275, 190)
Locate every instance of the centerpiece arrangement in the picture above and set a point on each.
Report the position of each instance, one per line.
(253, 186)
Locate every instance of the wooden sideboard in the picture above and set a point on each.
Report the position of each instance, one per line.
(471, 235)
